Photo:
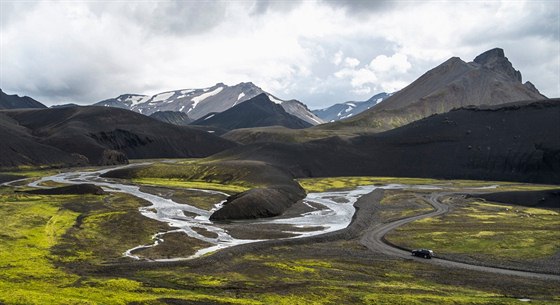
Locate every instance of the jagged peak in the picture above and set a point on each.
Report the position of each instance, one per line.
(489, 56)
(496, 61)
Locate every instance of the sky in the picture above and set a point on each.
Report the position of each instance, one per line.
(320, 52)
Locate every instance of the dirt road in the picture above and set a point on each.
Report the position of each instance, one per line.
(373, 239)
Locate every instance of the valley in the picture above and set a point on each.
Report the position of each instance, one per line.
(231, 195)
(81, 244)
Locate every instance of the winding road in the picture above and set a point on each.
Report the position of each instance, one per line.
(374, 240)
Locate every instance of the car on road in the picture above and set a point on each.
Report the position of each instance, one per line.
(425, 253)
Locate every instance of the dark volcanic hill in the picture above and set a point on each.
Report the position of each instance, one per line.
(172, 117)
(515, 142)
(259, 111)
(20, 147)
(17, 102)
(103, 135)
(489, 80)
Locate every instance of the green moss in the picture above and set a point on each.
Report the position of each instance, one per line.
(483, 229)
(173, 182)
(341, 183)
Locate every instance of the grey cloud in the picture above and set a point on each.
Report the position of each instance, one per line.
(361, 7)
(264, 6)
(179, 17)
(541, 20)
(11, 11)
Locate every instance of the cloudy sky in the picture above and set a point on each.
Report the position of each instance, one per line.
(320, 52)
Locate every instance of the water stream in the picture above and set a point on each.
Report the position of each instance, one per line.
(331, 211)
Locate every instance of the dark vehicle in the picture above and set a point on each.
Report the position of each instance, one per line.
(425, 253)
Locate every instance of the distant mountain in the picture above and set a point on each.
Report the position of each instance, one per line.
(262, 110)
(172, 117)
(348, 109)
(489, 80)
(512, 142)
(65, 105)
(17, 102)
(96, 135)
(197, 103)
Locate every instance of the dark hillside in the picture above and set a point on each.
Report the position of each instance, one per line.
(106, 135)
(259, 111)
(516, 142)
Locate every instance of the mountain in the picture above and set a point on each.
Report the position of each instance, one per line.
(65, 105)
(197, 103)
(488, 80)
(348, 109)
(172, 117)
(98, 136)
(16, 102)
(512, 142)
(262, 110)
(20, 147)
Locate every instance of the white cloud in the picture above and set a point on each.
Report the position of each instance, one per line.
(351, 62)
(315, 51)
(337, 58)
(397, 62)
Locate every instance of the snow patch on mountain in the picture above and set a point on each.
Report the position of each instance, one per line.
(162, 96)
(274, 100)
(202, 97)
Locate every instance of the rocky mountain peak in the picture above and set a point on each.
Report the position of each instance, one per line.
(496, 61)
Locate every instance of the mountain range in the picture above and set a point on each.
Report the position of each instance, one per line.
(455, 121)
(197, 103)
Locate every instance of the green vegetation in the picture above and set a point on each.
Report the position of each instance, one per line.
(484, 230)
(173, 182)
(345, 183)
(189, 174)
